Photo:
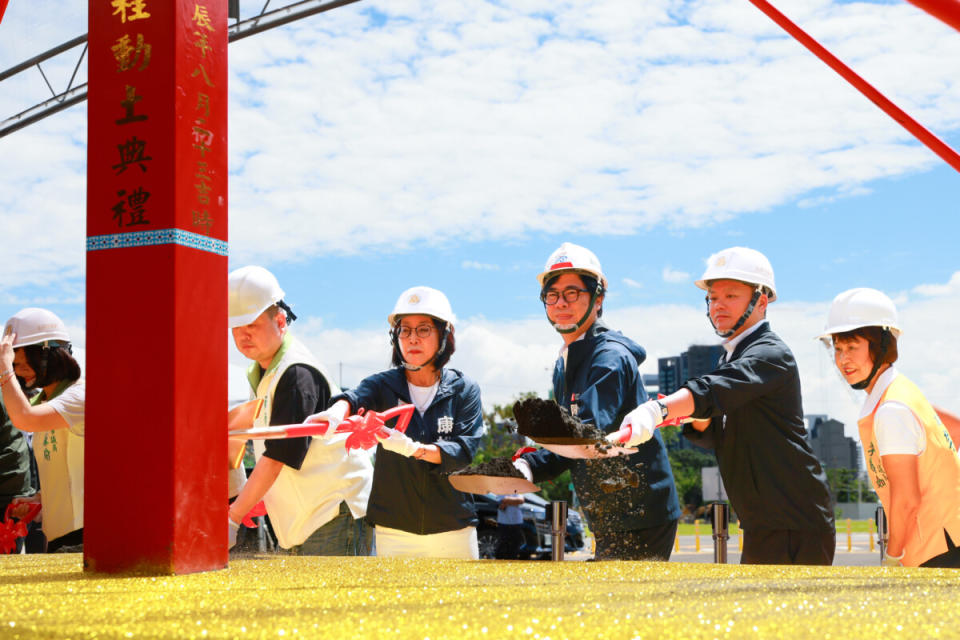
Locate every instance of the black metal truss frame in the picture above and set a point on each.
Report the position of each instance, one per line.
(241, 28)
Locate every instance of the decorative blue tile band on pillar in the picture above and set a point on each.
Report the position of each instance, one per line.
(158, 236)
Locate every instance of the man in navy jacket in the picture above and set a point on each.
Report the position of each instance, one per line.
(630, 501)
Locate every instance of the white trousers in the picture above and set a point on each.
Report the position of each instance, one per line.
(459, 544)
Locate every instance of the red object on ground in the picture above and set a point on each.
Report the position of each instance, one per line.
(258, 510)
(946, 10)
(10, 530)
(156, 287)
(934, 143)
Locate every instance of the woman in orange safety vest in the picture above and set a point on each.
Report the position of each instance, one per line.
(910, 457)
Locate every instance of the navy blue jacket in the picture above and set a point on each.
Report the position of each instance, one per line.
(771, 475)
(601, 385)
(413, 495)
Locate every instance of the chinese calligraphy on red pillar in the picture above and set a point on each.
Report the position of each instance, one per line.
(156, 264)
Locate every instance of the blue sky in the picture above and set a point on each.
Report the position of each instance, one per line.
(388, 144)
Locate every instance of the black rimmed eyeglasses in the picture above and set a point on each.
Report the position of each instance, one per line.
(423, 331)
(570, 295)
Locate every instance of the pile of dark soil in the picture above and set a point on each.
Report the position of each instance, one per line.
(539, 419)
(500, 467)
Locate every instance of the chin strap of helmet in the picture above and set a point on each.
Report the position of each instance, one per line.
(746, 314)
(571, 328)
(443, 342)
(884, 345)
(291, 316)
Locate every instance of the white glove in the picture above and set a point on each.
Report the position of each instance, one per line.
(892, 561)
(232, 529)
(524, 467)
(643, 422)
(332, 416)
(399, 443)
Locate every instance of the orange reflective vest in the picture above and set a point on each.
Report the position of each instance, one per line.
(938, 470)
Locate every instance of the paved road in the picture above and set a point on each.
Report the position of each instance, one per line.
(859, 555)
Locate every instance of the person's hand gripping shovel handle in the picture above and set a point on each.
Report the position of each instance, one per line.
(625, 434)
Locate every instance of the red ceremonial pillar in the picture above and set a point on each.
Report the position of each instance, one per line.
(155, 489)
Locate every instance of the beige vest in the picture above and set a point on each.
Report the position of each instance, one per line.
(301, 501)
(59, 454)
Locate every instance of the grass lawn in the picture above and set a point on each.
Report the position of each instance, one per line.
(856, 526)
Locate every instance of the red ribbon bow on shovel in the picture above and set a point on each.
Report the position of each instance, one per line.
(11, 529)
(364, 426)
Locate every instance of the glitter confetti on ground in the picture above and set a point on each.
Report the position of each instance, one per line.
(289, 597)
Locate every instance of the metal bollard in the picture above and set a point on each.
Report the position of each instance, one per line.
(883, 535)
(558, 526)
(720, 514)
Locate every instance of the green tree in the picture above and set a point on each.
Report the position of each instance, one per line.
(686, 465)
(501, 440)
(847, 485)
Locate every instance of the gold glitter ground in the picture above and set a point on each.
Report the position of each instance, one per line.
(284, 597)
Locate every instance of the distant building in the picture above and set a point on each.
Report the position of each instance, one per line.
(669, 374)
(651, 382)
(834, 449)
(700, 360)
(673, 371)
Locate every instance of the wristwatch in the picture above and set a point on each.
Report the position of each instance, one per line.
(663, 410)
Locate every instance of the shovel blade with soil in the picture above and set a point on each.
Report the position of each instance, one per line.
(494, 476)
(555, 429)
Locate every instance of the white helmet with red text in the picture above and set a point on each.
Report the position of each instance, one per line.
(572, 257)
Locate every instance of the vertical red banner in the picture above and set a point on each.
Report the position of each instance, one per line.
(155, 496)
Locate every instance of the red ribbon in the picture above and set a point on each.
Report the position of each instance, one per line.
(258, 510)
(12, 529)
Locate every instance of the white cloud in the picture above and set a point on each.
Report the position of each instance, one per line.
(936, 290)
(479, 266)
(675, 276)
(481, 120)
(633, 284)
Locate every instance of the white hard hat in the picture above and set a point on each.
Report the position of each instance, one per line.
(422, 301)
(572, 257)
(861, 307)
(740, 263)
(37, 326)
(251, 290)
